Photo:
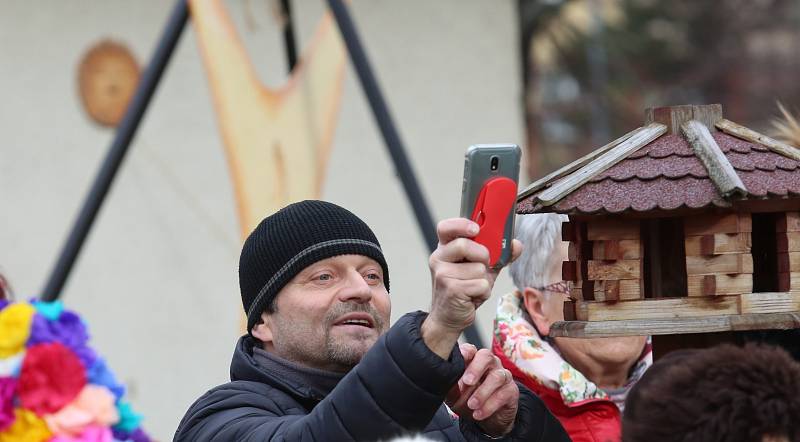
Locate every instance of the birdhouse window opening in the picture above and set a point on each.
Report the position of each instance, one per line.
(764, 249)
(664, 260)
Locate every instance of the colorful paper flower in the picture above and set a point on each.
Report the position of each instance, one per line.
(92, 433)
(68, 329)
(101, 375)
(27, 427)
(93, 406)
(50, 310)
(15, 327)
(7, 387)
(51, 377)
(137, 435)
(9, 367)
(128, 419)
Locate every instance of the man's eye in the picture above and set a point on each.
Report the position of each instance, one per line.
(373, 276)
(324, 277)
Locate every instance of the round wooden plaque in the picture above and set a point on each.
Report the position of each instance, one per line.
(107, 78)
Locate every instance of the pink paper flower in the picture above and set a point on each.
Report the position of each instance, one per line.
(91, 433)
(94, 406)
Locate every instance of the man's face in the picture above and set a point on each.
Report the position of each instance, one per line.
(329, 315)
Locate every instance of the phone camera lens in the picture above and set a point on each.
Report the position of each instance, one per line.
(494, 163)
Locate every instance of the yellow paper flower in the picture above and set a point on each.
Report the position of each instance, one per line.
(27, 427)
(15, 327)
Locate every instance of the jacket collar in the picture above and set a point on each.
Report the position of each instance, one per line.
(245, 368)
(541, 362)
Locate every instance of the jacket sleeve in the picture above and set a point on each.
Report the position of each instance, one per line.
(533, 423)
(395, 389)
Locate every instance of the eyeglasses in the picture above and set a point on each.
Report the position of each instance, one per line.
(563, 287)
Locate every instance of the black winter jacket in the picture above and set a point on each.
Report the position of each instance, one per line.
(396, 389)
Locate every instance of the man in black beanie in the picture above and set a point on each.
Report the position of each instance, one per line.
(320, 363)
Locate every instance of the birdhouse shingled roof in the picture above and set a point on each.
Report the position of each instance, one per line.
(671, 164)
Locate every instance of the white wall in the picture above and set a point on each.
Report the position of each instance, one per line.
(157, 277)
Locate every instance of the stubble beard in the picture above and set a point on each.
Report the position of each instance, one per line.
(302, 342)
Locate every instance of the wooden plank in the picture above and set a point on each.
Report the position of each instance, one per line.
(617, 249)
(657, 308)
(789, 282)
(708, 114)
(619, 290)
(717, 244)
(788, 222)
(569, 311)
(720, 170)
(788, 242)
(571, 167)
(706, 265)
(569, 231)
(612, 229)
(565, 186)
(613, 270)
(675, 326)
(670, 116)
(712, 224)
(769, 302)
(570, 271)
(721, 284)
(744, 133)
(789, 262)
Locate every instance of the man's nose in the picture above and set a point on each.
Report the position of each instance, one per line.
(355, 289)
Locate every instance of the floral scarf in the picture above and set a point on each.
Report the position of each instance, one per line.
(538, 359)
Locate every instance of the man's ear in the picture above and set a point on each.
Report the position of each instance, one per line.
(263, 329)
(535, 306)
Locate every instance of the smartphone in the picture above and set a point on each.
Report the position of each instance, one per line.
(489, 196)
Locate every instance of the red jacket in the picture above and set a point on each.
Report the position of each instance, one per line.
(592, 420)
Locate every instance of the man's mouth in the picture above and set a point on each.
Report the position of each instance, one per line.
(356, 319)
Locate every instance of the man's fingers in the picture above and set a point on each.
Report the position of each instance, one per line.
(463, 249)
(463, 271)
(450, 229)
(468, 352)
(493, 381)
(483, 361)
(506, 396)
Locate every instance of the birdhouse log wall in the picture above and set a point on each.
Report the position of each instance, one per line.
(718, 259)
(604, 259)
(788, 236)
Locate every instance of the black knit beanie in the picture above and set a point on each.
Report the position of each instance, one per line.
(292, 239)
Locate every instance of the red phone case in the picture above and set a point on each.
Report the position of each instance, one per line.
(492, 207)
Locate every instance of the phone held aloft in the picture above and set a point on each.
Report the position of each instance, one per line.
(489, 195)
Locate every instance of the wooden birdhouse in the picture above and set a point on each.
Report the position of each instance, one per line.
(689, 224)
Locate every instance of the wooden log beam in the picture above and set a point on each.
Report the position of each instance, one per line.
(571, 167)
(565, 186)
(617, 290)
(789, 282)
(717, 244)
(730, 264)
(570, 271)
(617, 249)
(713, 224)
(657, 308)
(788, 242)
(729, 127)
(674, 116)
(716, 163)
(769, 303)
(675, 326)
(788, 222)
(612, 229)
(720, 284)
(789, 262)
(613, 270)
